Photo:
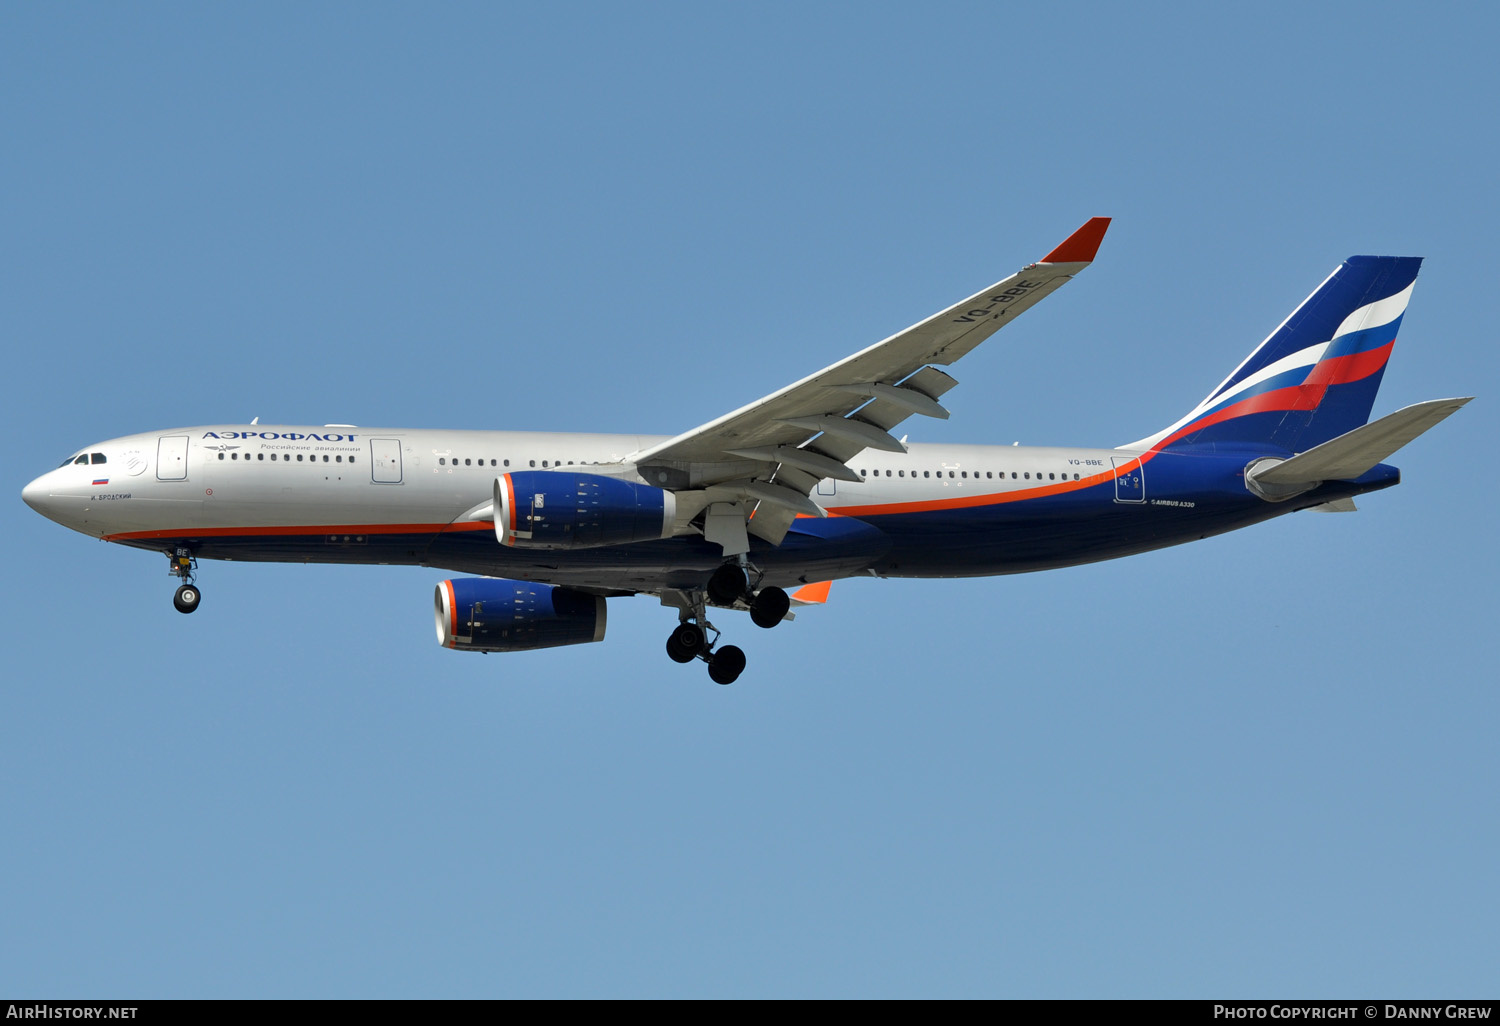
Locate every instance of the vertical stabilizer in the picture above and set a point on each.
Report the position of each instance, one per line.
(1315, 377)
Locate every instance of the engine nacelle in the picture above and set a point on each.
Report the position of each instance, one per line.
(554, 509)
(492, 614)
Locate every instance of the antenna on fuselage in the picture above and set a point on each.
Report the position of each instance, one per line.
(254, 421)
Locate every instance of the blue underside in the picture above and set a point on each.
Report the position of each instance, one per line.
(1187, 495)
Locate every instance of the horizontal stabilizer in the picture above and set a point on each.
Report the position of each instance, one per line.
(1354, 452)
(1335, 506)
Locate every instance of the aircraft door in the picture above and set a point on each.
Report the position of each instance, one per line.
(171, 458)
(1130, 479)
(385, 460)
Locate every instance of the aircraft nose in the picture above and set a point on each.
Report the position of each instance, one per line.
(33, 494)
(38, 495)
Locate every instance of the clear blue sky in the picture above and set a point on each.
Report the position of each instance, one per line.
(1259, 765)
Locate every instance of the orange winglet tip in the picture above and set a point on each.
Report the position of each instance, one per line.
(1080, 247)
(813, 593)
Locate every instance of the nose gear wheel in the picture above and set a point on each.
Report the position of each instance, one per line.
(184, 566)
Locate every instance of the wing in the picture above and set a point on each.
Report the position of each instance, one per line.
(769, 455)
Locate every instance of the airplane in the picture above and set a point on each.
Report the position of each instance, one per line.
(761, 508)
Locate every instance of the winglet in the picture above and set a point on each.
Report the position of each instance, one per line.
(1080, 247)
(812, 594)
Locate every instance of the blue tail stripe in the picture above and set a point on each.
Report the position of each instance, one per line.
(1359, 281)
(1328, 384)
(1364, 340)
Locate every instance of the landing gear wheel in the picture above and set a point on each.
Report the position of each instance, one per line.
(187, 598)
(769, 607)
(728, 584)
(685, 643)
(725, 665)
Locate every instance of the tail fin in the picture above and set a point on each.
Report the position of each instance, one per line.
(1315, 377)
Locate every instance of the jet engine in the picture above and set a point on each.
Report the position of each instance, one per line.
(492, 614)
(551, 509)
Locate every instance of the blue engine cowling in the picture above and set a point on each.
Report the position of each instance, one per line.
(552, 509)
(492, 614)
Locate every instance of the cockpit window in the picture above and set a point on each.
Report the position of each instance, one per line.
(84, 459)
(65, 462)
(96, 458)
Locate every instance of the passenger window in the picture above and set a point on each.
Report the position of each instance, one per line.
(1028, 475)
(900, 473)
(260, 456)
(863, 473)
(338, 459)
(531, 462)
(926, 473)
(989, 474)
(964, 473)
(351, 459)
(507, 463)
(325, 457)
(494, 463)
(1051, 477)
(96, 458)
(950, 473)
(467, 463)
(442, 462)
(299, 457)
(221, 455)
(887, 473)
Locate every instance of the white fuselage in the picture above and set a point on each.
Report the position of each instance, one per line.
(287, 477)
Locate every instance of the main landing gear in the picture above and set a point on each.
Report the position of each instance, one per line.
(729, 585)
(184, 566)
(690, 641)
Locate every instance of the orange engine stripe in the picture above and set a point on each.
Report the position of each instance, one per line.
(452, 615)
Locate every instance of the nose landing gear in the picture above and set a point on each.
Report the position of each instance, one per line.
(185, 567)
(187, 598)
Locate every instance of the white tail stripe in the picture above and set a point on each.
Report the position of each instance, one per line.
(1266, 341)
(1302, 358)
(1373, 315)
